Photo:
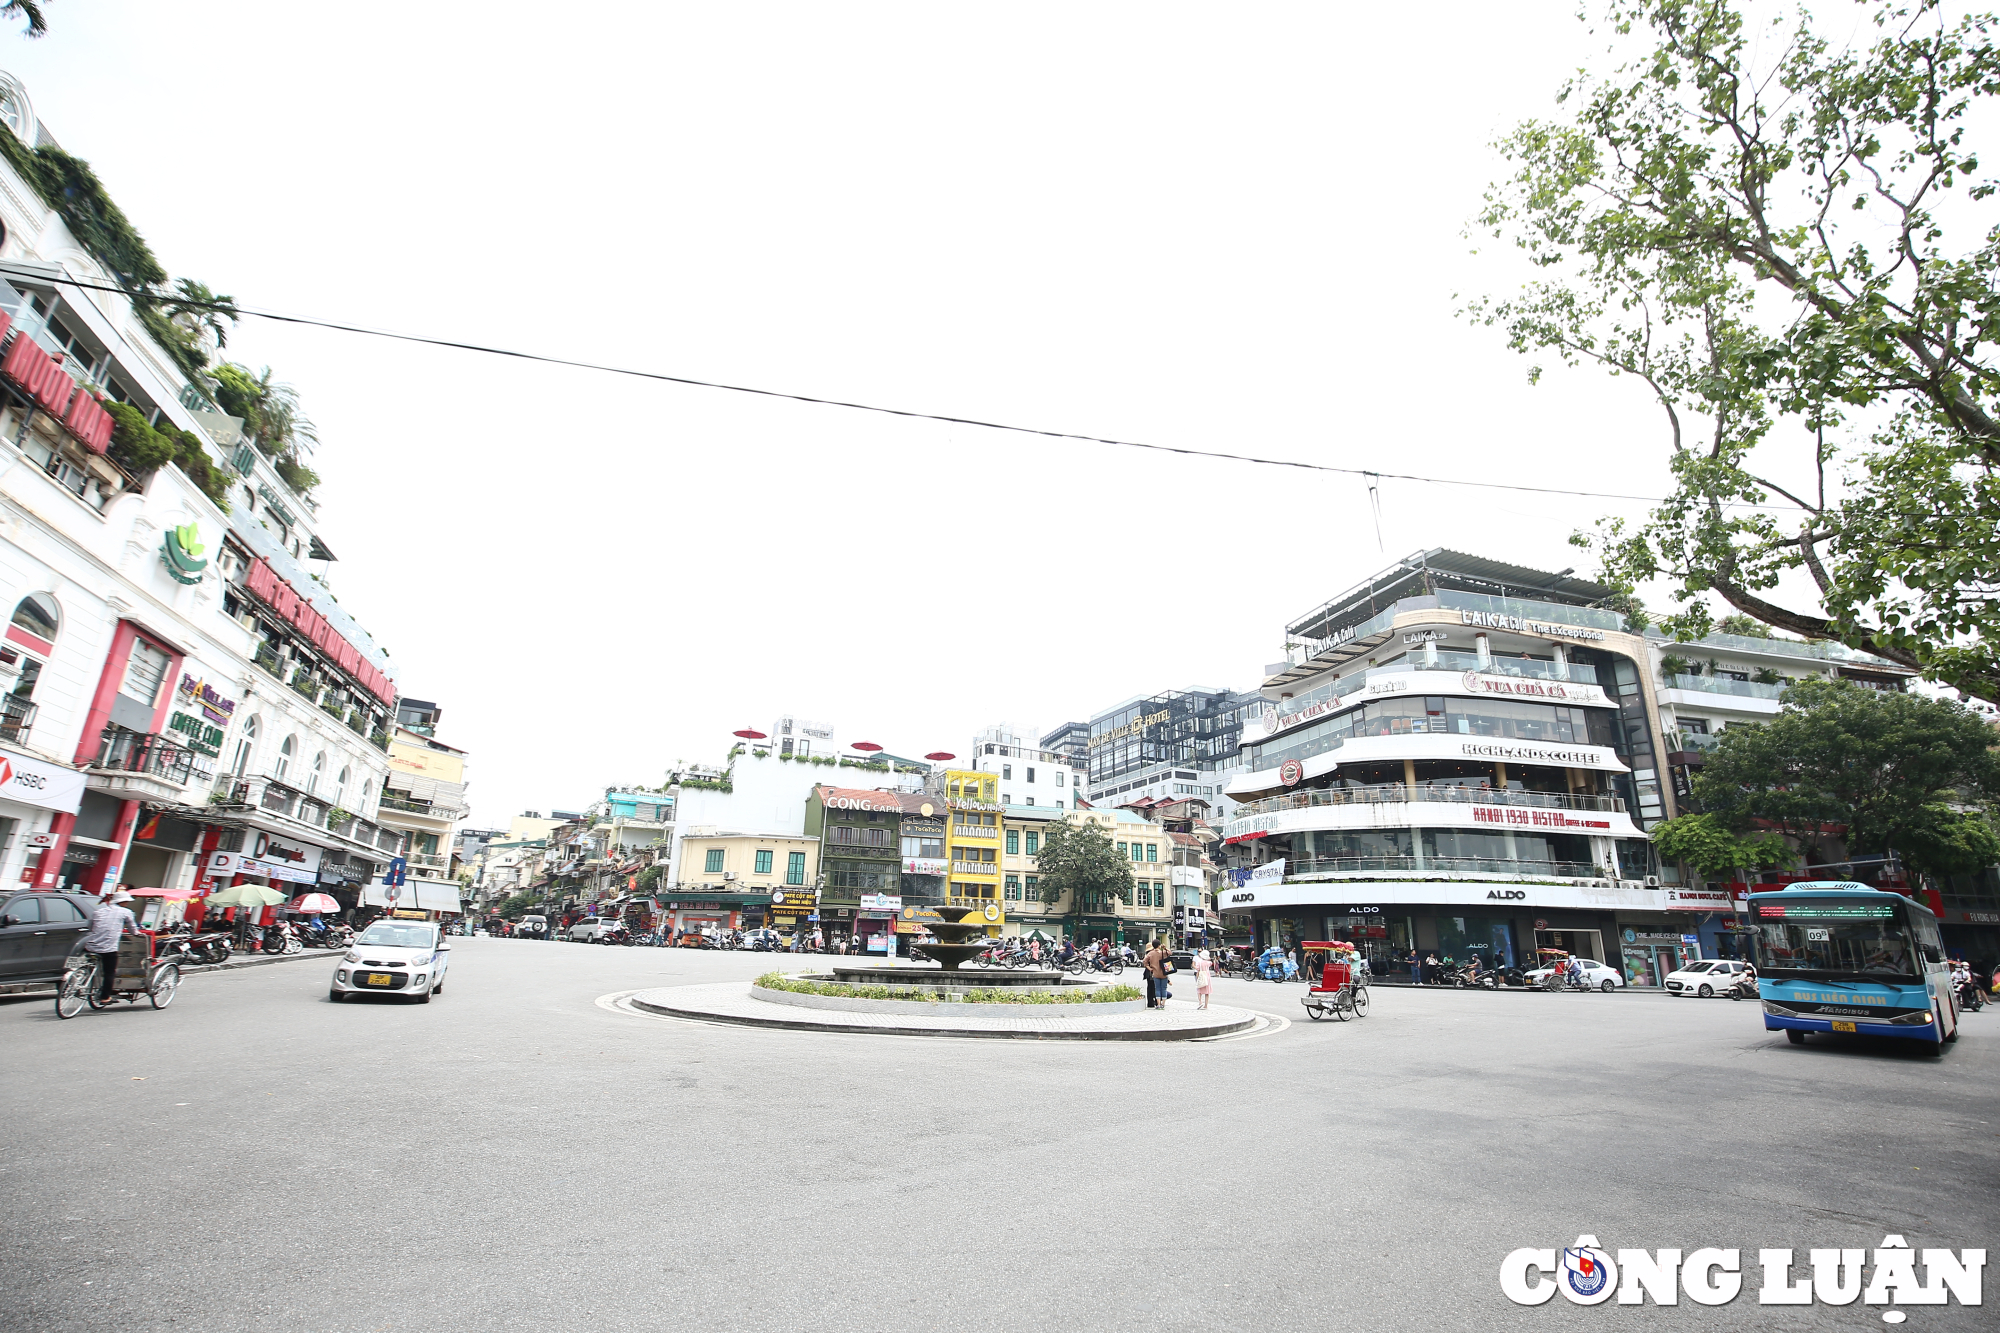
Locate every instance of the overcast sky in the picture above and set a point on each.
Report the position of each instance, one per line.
(1234, 228)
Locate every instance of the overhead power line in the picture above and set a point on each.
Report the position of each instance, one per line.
(665, 378)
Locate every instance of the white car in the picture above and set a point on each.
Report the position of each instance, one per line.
(1705, 978)
(393, 958)
(1595, 974)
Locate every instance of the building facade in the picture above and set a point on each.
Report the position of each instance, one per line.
(1180, 743)
(1030, 775)
(1462, 758)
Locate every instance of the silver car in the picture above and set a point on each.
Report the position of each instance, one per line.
(393, 958)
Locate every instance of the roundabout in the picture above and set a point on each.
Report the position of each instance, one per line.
(746, 1004)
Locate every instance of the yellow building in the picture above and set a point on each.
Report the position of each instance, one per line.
(972, 844)
(733, 881)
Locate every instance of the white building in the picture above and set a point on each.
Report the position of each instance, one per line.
(1029, 774)
(185, 703)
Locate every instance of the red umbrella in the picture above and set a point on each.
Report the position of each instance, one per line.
(864, 745)
(316, 902)
(940, 756)
(750, 734)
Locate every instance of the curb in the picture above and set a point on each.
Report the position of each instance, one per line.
(857, 1005)
(808, 1025)
(41, 989)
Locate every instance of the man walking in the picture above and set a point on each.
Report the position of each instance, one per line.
(108, 924)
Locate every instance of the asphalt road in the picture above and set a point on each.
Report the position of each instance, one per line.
(516, 1156)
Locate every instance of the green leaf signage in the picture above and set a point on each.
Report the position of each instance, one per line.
(182, 554)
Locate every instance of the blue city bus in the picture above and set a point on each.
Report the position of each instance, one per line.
(1836, 956)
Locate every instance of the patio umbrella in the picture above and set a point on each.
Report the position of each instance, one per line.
(316, 902)
(245, 895)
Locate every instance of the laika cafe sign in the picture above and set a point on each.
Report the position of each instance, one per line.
(41, 377)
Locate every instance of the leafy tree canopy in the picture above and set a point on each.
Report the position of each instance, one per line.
(1895, 771)
(29, 10)
(1080, 859)
(1780, 235)
(1704, 845)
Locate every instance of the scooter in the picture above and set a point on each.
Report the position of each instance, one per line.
(1744, 987)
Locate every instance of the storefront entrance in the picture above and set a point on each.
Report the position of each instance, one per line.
(1490, 939)
(1577, 943)
(1650, 953)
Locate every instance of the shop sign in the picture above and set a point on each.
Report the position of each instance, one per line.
(1632, 935)
(1271, 872)
(199, 694)
(986, 806)
(1291, 772)
(1424, 636)
(264, 847)
(36, 782)
(38, 375)
(862, 801)
(235, 863)
(202, 737)
(924, 865)
(1536, 754)
(1479, 683)
(1698, 900)
(1509, 814)
(1495, 620)
(695, 907)
(913, 827)
(1983, 918)
(881, 902)
(1359, 909)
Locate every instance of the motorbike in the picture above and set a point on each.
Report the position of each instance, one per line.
(1277, 966)
(1970, 996)
(1744, 987)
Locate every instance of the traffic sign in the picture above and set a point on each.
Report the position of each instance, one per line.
(398, 872)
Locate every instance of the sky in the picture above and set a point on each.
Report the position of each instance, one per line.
(1239, 229)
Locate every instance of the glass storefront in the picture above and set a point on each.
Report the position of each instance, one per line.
(1490, 938)
(1650, 953)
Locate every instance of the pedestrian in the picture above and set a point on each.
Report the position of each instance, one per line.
(1204, 978)
(1416, 968)
(109, 923)
(1156, 979)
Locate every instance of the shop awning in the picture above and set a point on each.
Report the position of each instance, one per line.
(423, 895)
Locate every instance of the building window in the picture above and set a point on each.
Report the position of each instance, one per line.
(145, 672)
(38, 614)
(795, 868)
(318, 770)
(1123, 850)
(1034, 842)
(764, 862)
(1034, 891)
(1007, 800)
(713, 866)
(1013, 842)
(1007, 772)
(1059, 777)
(1031, 775)
(285, 753)
(340, 786)
(1152, 851)
(1014, 888)
(1138, 852)
(246, 744)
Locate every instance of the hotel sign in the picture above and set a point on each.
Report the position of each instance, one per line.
(1119, 733)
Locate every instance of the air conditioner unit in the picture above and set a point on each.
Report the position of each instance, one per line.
(729, 874)
(1652, 881)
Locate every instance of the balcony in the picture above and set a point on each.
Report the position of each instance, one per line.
(136, 765)
(429, 860)
(1445, 865)
(1581, 673)
(1397, 792)
(1742, 689)
(17, 717)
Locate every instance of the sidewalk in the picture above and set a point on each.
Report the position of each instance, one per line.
(43, 988)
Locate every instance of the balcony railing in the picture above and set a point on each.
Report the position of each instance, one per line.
(1534, 668)
(126, 751)
(1465, 865)
(1748, 689)
(429, 860)
(17, 716)
(1397, 792)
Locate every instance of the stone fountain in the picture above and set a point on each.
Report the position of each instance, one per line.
(957, 941)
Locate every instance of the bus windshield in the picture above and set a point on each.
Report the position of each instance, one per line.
(1833, 940)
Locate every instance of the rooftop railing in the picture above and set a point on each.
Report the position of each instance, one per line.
(1464, 865)
(1748, 689)
(1401, 793)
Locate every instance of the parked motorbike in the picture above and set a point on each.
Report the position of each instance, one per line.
(212, 946)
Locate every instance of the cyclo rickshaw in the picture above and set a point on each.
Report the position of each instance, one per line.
(138, 974)
(1336, 982)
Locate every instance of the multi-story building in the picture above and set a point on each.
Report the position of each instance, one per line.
(1180, 743)
(861, 858)
(423, 800)
(1071, 740)
(1030, 774)
(1462, 756)
(738, 881)
(972, 840)
(1024, 827)
(182, 703)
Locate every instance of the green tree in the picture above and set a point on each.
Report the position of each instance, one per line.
(518, 906)
(1880, 770)
(1745, 626)
(29, 10)
(1780, 236)
(1701, 843)
(271, 419)
(1080, 859)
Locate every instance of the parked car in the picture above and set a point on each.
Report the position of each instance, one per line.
(393, 958)
(1596, 974)
(763, 940)
(532, 928)
(1706, 978)
(38, 933)
(591, 930)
